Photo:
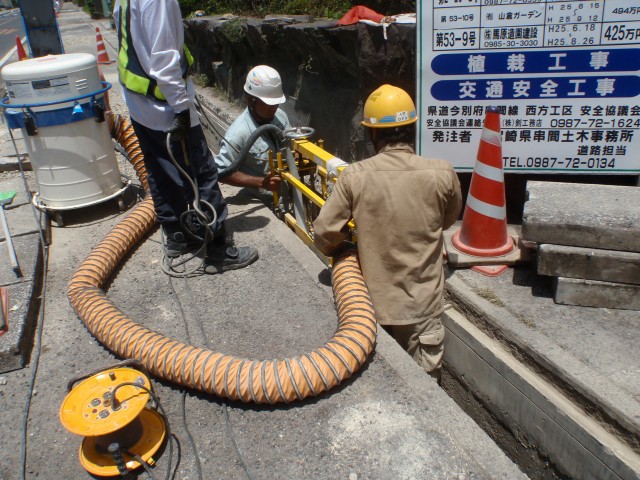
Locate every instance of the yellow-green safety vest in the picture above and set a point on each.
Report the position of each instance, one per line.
(130, 72)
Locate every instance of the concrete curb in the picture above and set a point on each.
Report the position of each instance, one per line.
(615, 408)
(24, 304)
(547, 418)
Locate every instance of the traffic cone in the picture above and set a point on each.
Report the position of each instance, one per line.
(483, 238)
(20, 49)
(103, 56)
(4, 310)
(108, 114)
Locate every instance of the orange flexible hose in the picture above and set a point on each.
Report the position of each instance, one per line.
(122, 132)
(258, 381)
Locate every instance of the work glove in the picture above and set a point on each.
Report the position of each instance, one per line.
(179, 129)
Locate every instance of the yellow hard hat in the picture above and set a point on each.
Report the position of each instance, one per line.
(388, 107)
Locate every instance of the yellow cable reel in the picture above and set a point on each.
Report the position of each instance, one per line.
(90, 410)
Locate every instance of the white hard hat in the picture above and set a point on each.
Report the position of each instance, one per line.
(264, 83)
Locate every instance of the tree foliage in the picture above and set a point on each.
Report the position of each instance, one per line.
(323, 9)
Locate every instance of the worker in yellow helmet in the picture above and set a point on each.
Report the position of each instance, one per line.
(400, 203)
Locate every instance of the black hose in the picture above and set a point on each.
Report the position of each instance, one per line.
(239, 160)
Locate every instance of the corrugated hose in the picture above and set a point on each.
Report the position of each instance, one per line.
(258, 381)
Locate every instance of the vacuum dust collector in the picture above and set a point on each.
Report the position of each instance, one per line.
(58, 104)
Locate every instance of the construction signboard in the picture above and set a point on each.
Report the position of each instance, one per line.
(565, 76)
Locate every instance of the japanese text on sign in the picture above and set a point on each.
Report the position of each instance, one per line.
(564, 75)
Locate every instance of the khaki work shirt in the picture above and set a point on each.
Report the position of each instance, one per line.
(400, 203)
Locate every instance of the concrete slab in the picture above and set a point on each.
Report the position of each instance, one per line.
(15, 344)
(592, 293)
(15, 183)
(9, 163)
(23, 220)
(27, 250)
(589, 263)
(582, 215)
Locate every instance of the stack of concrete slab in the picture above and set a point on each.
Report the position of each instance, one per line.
(588, 237)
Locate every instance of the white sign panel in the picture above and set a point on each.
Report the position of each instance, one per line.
(565, 76)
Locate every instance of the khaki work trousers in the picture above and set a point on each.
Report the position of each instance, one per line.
(424, 341)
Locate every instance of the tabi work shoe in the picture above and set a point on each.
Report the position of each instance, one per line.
(221, 258)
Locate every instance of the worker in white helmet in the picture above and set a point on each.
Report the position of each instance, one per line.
(263, 88)
(400, 203)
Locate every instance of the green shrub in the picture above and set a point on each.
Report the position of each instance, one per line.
(234, 29)
(324, 9)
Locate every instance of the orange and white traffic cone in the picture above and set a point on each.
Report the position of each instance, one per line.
(4, 310)
(103, 56)
(482, 241)
(22, 55)
(107, 104)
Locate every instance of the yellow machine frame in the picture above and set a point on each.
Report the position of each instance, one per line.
(307, 177)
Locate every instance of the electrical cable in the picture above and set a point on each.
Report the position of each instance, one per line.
(225, 408)
(36, 363)
(188, 432)
(220, 133)
(179, 457)
(224, 405)
(114, 402)
(194, 186)
(183, 391)
(144, 464)
(233, 440)
(169, 267)
(37, 215)
(134, 364)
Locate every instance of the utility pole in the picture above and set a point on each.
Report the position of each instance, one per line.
(41, 27)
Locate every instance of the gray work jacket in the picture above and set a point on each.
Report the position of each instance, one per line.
(257, 161)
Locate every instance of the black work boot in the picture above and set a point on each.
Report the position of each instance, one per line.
(176, 241)
(222, 254)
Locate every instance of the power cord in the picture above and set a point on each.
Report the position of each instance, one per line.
(183, 391)
(164, 416)
(171, 267)
(37, 215)
(201, 110)
(224, 405)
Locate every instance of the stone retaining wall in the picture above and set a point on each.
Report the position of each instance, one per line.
(328, 71)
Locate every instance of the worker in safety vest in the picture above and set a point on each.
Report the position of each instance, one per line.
(153, 66)
(400, 203)
(263, 89)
